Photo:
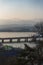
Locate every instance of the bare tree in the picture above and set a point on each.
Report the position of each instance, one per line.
(39, 27)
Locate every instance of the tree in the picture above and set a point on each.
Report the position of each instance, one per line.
(39, 27)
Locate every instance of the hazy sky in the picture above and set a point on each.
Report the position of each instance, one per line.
(21, 9)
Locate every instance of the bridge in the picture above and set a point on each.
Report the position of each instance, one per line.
(15, 40)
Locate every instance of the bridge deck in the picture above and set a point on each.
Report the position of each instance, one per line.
(15, 39)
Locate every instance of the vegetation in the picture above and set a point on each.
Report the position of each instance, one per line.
(28, 56)
(39, 27)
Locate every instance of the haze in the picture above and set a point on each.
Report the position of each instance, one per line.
(20, 10)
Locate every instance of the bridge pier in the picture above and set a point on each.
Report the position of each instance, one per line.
(18, 40)
(26, 39)
(2, 40)
(10, 40)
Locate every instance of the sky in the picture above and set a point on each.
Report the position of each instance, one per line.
(21, 9)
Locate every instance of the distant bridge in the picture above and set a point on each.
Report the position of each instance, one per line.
(15, 40)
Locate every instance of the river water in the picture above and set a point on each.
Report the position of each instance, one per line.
(17, 34)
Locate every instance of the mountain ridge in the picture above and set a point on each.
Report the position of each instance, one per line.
(16, 28)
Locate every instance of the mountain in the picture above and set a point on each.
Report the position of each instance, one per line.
(17, 25)
(16, 28)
